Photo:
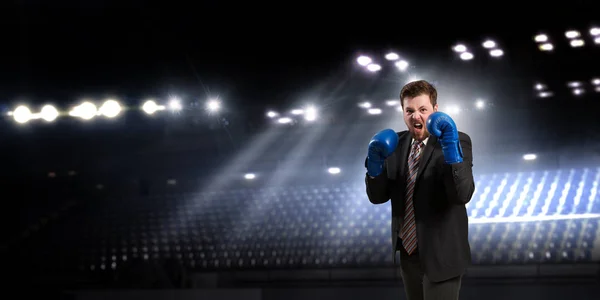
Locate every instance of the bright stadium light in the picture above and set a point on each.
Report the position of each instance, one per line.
(213, 105)
(110, 108)
(541, 38)
(571, 34)
(459, 48)
(577, 43)
(402, 65)
(364, 60)
(479, 104)
(373, 67)
(310, 113)
(365, 105)
(175, 104)
(374, 111)
(496, 52)
(22, 114)
(454, 109)
(546, 47)
(272, 114)
(49, 113)
(489, 44)
(284, 120)
(86, 111)
(466, 56)
(334, 170)
(150, 107)
(392, 56)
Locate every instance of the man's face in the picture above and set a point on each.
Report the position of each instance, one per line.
(416, 111)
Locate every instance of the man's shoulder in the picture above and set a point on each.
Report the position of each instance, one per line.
(403, 133)
(463, 136)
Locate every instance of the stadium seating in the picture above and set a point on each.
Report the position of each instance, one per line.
(515, 218)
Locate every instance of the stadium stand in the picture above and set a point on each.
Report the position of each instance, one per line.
(550, 216)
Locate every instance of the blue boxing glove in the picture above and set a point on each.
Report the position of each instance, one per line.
(381, 146)
(443, 127)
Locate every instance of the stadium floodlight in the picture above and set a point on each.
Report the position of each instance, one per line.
(175, 104)
(110, 108)
(540, 38)
(466, 56)
(571, 34)
(22, 114)
(479, 104)
(334, 170)
(272, 114)
(460, 48)
(392, 56)
(496, 52)
(402, 65)
(86, 111)
(49, 113)
(489, 44)
(454, 109)
(213, 105)
(374, 111)
(150, 107)
(577, 43)
(373, 68)
(365, 105)
(364, 60)
(284, 120)
(546, 47)
(310, 113)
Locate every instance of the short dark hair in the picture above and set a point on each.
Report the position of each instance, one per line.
(417, 88)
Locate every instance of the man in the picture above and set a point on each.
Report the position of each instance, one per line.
(427, 173)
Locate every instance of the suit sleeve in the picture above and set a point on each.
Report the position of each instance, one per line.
(378, 187)
(458, 178)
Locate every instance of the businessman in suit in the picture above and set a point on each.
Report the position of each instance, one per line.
(426, 171)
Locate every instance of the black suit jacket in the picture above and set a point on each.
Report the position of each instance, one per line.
(440, 194)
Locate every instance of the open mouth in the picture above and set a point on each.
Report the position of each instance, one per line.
(418, 126)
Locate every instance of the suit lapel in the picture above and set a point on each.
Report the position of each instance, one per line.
(426, 156)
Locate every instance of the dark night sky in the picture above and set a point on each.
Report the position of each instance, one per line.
(252, 55)
(68, 50)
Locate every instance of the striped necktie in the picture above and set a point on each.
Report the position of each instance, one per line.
(408, 234)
